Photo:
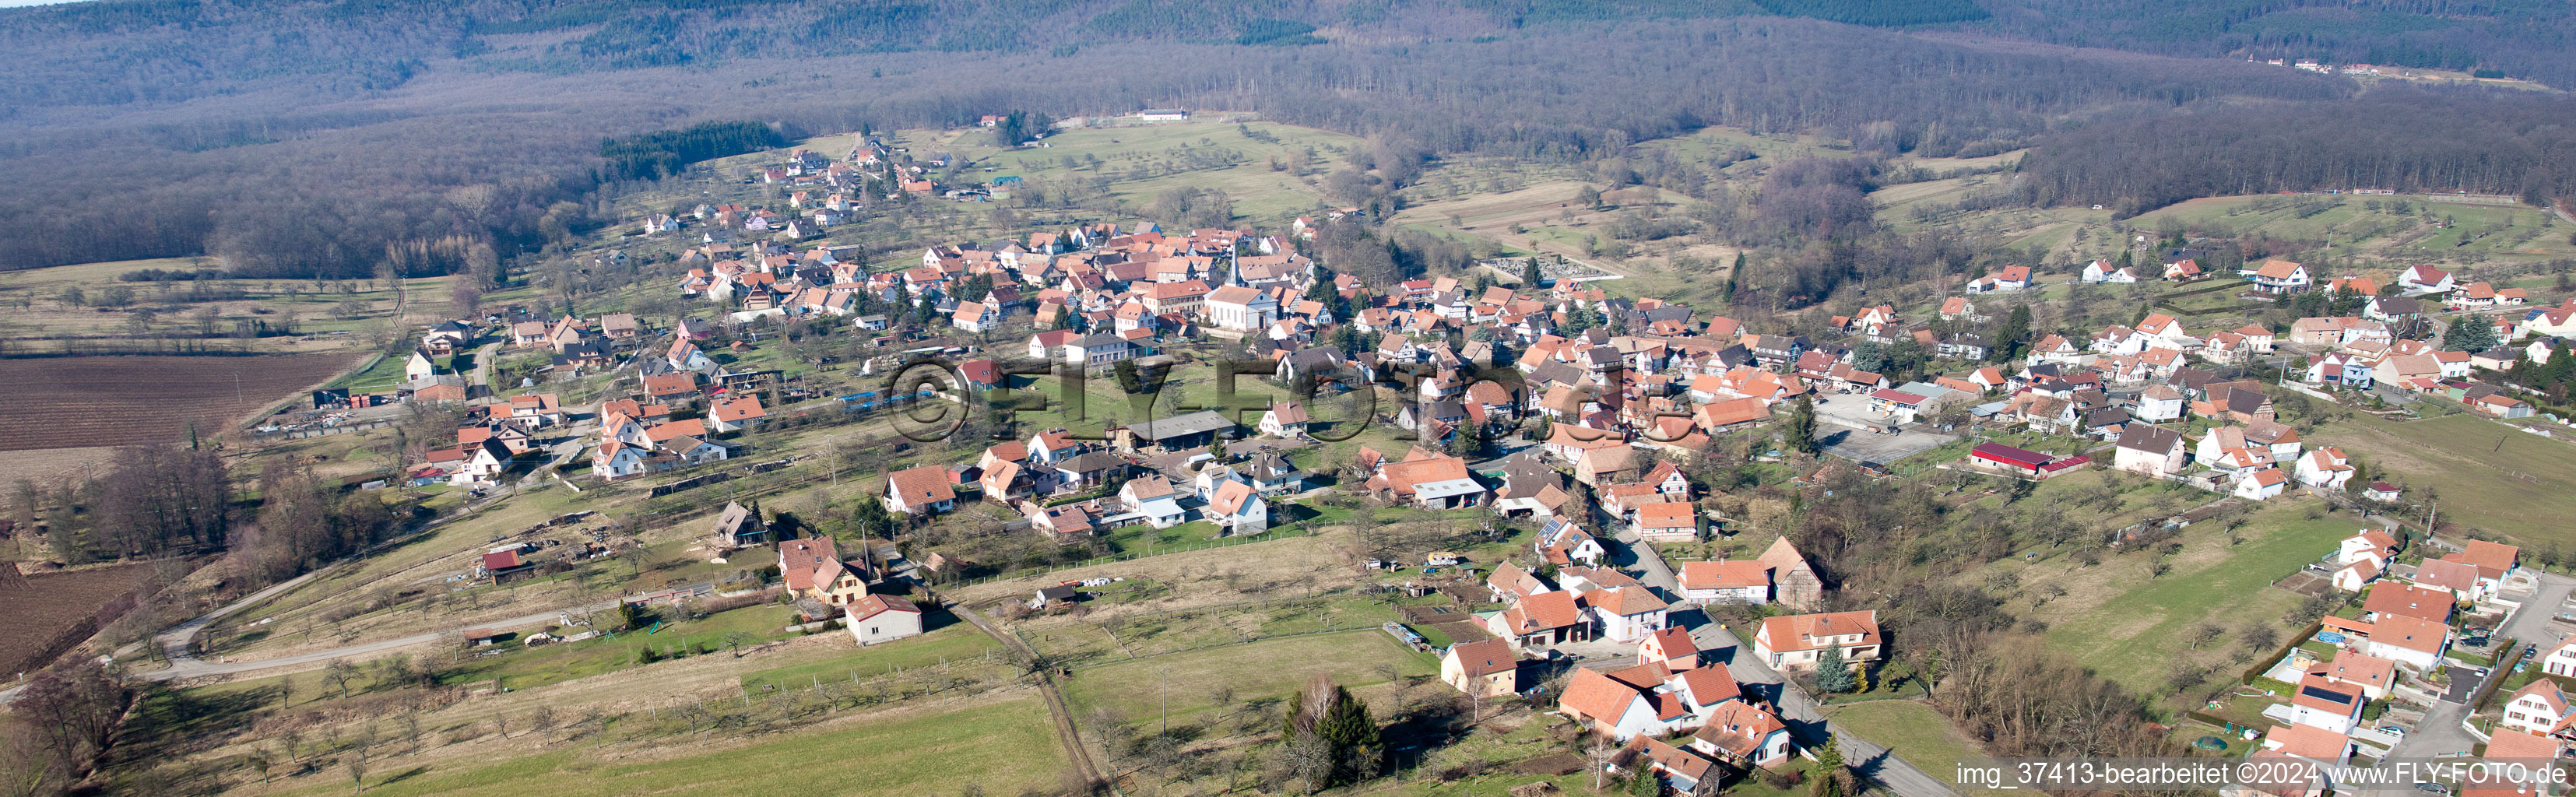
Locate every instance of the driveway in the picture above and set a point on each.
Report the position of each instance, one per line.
(2440, 732)
(1804, 720)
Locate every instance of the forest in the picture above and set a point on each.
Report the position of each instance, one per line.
(343, 139)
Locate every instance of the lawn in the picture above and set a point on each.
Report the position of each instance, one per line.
(1276, 669)
(917, 754)
(955, 643)
(525, 668)
(1913, 731)
(2488, 475)
(2133, 636)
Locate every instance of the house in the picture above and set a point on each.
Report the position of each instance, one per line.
(736, 414)
(2260, 483)
(922, 490)
(1238, 509)
(2325, 468)
(2498, 405)
(1794, 642)
(1153, 498)
(2456, 579)
(2326, 705)
(2370, 674)
(2493, 560)
(1671, 521)
(2425, 279)
(1540, 620)
(1625, 613)
(2540, 707)
(2006, 280)
(1563, 543)
(1616, 709)
(1738, 581)
(503, 564)
(2277, 276)
(2369, 544)
(2406, 640)
(1793, 582)
(1671, 648)
(2383, 491)
(2560, 660)
(1284, 419)
(812, 567)
(1483, 668)
(2101, 271)
(2391, 599)
(739, 526)
(2150, 450)
(419, 367)
(1672, 767)
(1058, 595)
(1745, 735)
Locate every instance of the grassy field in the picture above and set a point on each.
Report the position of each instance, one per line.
(1275, 668)
(2487, 475)
(956, 642)
(2134, 634)
(1913, 731)
(1142, 161)
(912, 753)
(329, 315)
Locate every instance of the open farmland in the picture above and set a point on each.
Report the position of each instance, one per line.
(71, 402)
(2485, 474)
(44, 607)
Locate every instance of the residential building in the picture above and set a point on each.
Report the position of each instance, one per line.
(1793, 642)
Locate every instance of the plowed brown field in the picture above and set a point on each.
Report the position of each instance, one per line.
(74, 402)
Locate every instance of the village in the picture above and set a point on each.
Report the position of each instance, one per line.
(1505, 401)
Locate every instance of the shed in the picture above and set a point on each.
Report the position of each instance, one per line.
(2010, 458)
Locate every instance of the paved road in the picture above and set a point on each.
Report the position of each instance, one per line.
(2440, 733)
(1805, 721)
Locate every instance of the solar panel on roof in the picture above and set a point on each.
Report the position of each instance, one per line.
(2325, 694)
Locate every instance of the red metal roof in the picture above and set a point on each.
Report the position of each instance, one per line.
(1999, 452)
(501, 561)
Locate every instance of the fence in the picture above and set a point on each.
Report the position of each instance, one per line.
(2495, 677)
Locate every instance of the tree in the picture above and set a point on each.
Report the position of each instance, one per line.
(1800, 431)
(357, 766)
(1833, 673)
(1589, 197)
(2472, 333)
(1331, 739)
(2013, 335)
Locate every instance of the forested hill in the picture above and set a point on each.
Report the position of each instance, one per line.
(305, 137)
(121, 51)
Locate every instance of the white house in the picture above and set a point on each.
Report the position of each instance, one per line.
(1284, 419)
(2426, 279)
(1153, 497)
(2261, 483)
(2325, 704)
(881, 618)
(1738, 581)
(2560, 660)
(1238, 508)
(2325, 468)
(2538, 708)
(1795, 641)
(1241, 309)
(921, 490)
(1625, 614)
(2149, 450)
